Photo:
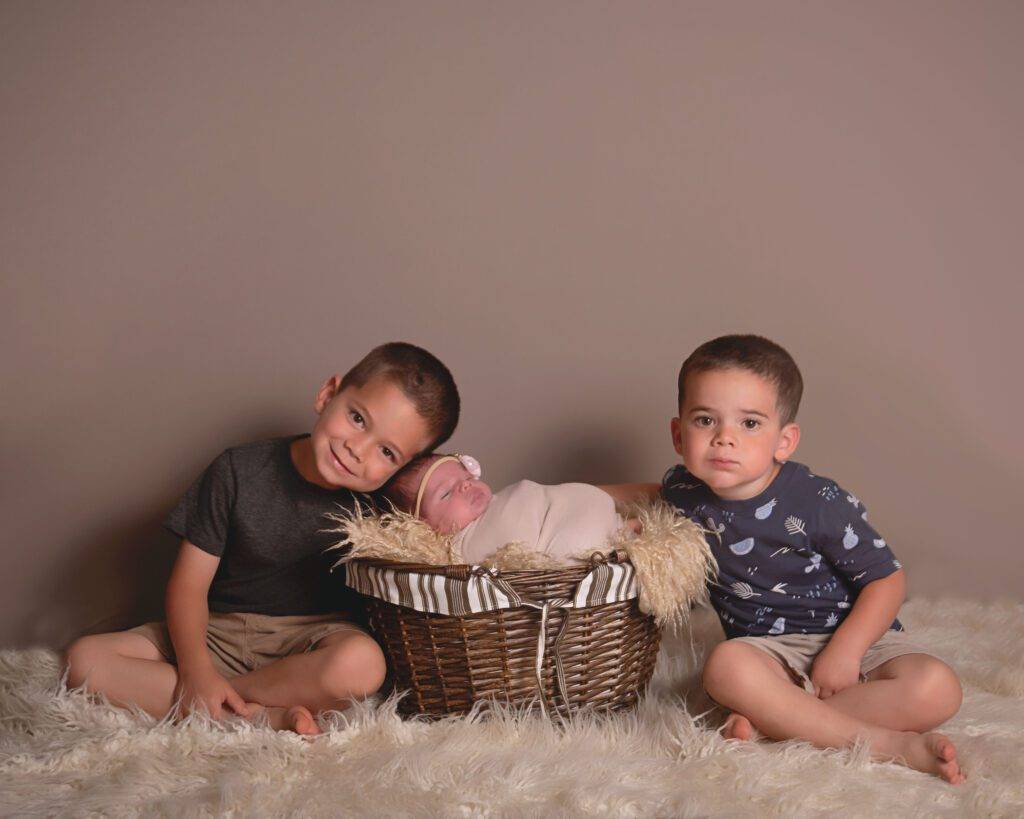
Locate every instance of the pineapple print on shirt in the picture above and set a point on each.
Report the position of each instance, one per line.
(801, 550)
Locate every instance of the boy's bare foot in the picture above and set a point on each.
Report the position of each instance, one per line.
(299, 719)
(931, 753)
(739, 727)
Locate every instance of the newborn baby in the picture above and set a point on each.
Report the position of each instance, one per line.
(445, 491)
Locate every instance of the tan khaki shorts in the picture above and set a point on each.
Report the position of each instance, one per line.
(241, 642)
(796, 652)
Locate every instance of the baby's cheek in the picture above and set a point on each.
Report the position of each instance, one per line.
(431, 520)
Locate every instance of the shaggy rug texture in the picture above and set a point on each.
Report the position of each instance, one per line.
(61, 754)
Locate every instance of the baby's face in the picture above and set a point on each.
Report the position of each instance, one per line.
(453, 498)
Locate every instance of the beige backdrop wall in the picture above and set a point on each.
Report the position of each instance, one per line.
(208, 208)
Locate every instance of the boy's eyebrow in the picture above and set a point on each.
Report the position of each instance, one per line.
(369, 423)
(743, 411)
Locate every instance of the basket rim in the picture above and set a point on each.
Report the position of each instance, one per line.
(464, 570)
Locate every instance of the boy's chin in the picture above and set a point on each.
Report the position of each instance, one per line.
(720, 486)
(337, 481)
(734, 487)
(333, 483)
(716, 479)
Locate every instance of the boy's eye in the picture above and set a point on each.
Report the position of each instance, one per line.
(704, 420)
(356, 417)
(388, 453)
(751, 423)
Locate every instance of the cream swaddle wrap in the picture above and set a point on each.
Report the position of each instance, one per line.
(564, 521)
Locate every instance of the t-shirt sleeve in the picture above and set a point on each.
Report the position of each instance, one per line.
(853, 547)
(203, 514)
(672, 485)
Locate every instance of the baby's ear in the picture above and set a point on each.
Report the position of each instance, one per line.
(789, 438)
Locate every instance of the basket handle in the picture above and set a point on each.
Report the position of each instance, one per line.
(615, 556)
(457, 571)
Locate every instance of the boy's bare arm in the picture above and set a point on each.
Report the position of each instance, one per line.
(185, 603)
(188, 615)
(626, 493)
(838, 665)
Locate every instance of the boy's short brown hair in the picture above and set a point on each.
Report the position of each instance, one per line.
(755, 354)
(424, 380)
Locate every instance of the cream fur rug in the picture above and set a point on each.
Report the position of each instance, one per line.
(61, 755)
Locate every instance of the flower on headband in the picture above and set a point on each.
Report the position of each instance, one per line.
(471, 464)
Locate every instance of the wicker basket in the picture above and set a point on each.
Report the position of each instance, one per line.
(595, 656)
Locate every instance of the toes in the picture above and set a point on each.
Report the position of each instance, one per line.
(944, 747)
(302, 721)
(951, 773)
(737, 727)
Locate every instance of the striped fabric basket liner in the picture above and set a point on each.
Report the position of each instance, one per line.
(457, 635)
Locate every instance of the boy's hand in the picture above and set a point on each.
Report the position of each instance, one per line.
(205, 688)
(833, 671)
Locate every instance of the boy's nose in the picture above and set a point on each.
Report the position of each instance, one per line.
(356, 448)
(722, 438)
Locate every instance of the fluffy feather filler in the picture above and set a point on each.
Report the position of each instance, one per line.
(394, 535)
(672, 560)
(671, 556)
(515, 557)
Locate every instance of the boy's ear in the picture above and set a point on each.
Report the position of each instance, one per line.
(330, 388)
(677, 435)
(789, 437)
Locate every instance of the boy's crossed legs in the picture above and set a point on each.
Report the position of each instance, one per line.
(345, 665)
(130, 670)
(902, 699)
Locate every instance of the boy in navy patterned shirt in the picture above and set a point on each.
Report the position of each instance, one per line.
(807, 590)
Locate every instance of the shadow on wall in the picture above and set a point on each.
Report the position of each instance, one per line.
(114, 579)
(116, 576)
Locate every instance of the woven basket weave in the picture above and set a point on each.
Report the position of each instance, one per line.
(448, 663)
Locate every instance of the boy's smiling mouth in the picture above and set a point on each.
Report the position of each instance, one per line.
(338, 463)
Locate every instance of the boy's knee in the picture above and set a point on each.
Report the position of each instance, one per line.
(938, 688)
(80, 658)
(723, 669)
(354, 668)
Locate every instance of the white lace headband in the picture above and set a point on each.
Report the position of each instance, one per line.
(471, 464)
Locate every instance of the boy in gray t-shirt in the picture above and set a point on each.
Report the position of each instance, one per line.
(254, 620)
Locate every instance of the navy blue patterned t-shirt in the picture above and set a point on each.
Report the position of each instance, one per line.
(791, 560)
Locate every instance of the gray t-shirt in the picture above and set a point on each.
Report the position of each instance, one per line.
(253, 510)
